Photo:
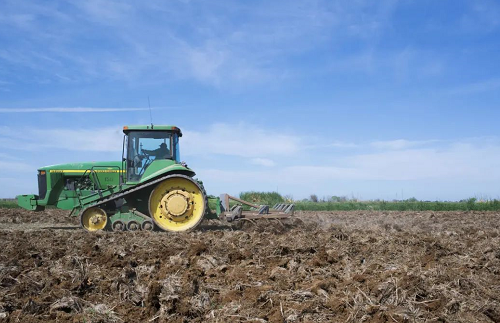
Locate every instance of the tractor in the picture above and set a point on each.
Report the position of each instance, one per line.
(150, 188)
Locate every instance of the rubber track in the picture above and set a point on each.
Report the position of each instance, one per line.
(140, 187)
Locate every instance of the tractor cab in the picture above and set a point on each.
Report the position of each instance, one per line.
(146, 147)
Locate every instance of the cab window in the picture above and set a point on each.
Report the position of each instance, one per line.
(144, 147)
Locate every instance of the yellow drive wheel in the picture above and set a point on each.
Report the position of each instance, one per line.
(94, 219)
(177, 204)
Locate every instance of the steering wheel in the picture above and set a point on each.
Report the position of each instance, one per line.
(145, 155)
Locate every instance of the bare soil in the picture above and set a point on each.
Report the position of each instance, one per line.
(332, 267)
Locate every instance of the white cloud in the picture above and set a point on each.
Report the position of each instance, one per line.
(262, 162)
(21, 21)
(482, 16)
(15, 166)
(470, 164)
(468, 160)
(478, 87)
(102, 139)
(189, 40)
(400, 144)
(332, 144)
(73, 110)
(105, 11)
(241, 139)
(5, 157)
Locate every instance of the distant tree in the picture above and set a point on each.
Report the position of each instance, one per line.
(471, 203)
(338, 199)
(314, 198)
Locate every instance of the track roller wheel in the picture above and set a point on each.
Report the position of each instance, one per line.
(94, 219)
(133, 226)
(147, 225)
(118, 226)
(177, 204)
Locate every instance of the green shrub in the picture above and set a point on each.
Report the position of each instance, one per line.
(262, 198)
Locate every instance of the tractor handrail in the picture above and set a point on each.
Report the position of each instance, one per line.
(93, 170)
(95, 178)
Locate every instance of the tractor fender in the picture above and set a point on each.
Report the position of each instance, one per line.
(155, 172)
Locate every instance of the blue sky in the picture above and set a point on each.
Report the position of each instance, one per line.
(371, 99)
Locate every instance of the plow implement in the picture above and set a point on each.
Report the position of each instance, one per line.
(243, 210)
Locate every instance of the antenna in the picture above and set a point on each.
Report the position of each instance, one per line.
(150, 115)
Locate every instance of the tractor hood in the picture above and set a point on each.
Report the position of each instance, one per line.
(157, 168)
(82, 167)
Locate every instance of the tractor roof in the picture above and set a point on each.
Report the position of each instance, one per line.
(126, 129)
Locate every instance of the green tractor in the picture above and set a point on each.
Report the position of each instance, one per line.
(150, 187)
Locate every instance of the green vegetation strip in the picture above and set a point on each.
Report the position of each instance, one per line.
(8, 204)
(344, 204)
(469, 205)
(262, 198)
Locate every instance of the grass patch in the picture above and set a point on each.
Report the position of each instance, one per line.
(8, 204)
(262, 198)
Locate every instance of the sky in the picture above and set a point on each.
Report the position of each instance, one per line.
(366, 99)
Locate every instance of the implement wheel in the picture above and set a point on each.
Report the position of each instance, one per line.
(177, 204)
(94, 219)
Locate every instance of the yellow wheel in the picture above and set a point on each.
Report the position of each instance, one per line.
(94, 219)
(177, 204)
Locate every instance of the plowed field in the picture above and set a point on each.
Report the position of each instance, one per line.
(334, 267)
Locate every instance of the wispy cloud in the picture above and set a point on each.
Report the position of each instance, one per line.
(15, 166)
(483, 16)
(36, 139)
(331, 144)
(400, 144)
(106, 12)
(477, 87)
(241, 139)
(262, 162)
(185, 39)
(465, 162)
(71, 110)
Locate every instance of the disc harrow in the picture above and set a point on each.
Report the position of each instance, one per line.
(244, 210)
